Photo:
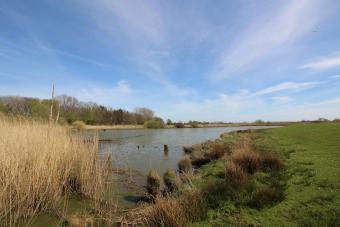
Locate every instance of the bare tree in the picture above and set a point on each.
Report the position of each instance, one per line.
(145, 112)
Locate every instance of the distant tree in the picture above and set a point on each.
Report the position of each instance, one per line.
(322, 120)
(259, 122)
(168, 122)
(155, 123)
(179, 125)
(145, 112)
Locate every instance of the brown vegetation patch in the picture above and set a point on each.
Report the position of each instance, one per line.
(153, 183)
(235, 175)
(39, 163)
(184, 165)
(248, 160)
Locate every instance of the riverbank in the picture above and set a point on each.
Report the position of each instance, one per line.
(284, 176)
(116, 127)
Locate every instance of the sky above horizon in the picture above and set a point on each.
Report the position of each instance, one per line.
(187, 60)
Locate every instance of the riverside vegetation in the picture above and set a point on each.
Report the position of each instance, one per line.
(41, 165)
(284, 176)
(287, 176)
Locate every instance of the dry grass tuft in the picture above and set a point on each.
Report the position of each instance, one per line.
(80, 125)
(168, 211)
(171, 180)
(39, 163)
(165, 212)
(217, 151)
(153, 183)
(184, 165)
(248, 160)
(235, 175)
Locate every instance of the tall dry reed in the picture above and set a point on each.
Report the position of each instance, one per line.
(40, 163)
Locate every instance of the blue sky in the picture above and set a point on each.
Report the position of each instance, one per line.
(202, 60)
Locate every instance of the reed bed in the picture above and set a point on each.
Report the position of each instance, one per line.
(40, 164)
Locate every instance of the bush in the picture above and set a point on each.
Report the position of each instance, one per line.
(235, 175)
(80, 125)
(271, 162)
(153, 183)
(171, 180)
(185, 165)
(154, 123)
(249, 161)
(179, 125)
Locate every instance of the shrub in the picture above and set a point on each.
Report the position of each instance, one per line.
(248, 160)
(271, 162)
(185, 165)
(80, 125)
(235, 175)
(154, 123)
(170, 180)
(266, 196)
(179, 125)
(153, 183)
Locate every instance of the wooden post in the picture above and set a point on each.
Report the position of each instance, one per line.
(166, 149)
(51, 110)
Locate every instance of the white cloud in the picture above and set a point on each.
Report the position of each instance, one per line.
(267, 36)
(292, 86)
(323, 63)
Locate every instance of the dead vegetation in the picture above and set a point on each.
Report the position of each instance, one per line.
(41, 163)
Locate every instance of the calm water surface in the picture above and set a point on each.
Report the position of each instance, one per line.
(142, 149)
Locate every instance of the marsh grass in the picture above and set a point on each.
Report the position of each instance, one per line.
(184, 165)
(153, 183)
(40, 163)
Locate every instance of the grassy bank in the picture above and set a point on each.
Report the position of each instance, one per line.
(310, 180)
(41, 165)
(285, 176)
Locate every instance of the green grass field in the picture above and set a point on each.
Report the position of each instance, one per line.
(310, 180)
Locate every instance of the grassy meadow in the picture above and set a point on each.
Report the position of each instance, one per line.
(310, 181)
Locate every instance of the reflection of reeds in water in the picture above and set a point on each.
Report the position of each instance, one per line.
(39, 164)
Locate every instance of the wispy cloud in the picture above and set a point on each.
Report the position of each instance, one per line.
(335, 77)
(266, 36)
(323, 63)
(118, 94)
(282, 99)
(287, 86)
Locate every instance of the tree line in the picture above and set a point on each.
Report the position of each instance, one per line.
(69, 109)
